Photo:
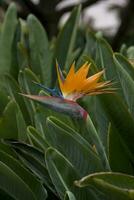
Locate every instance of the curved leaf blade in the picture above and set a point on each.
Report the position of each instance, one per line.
(114, 185)
(63, 175)
(35, 186)
(73, 147)
(13, 184)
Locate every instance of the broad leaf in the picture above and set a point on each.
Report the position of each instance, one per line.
(12, 124)
(122, 120)
(73, 146)
(119, 158)
(6, 39)
(40, 54)
(25, 175)
(125, 73)
(114, 185)
(63, 175)
(69, 32)
(33, 159)
(13, 184)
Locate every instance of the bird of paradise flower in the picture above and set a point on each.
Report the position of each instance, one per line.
(76, 85)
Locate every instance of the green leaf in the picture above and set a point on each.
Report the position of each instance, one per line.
(26, 78)
(40, 120)
(33, 159)
(11, 183)
(122, 120)
(63, 175)
(6, 39)
(124, 64)
(5, 196)
(73, 146)
(22, 45)
(21, 125)
(12, 124)
(36, 187)
(66, 41)
(37, 139)
(88, 49)
(114, 185)
(92, 53)
(113, 105)
(125, 73)
(13, 90)
(14, 68)
(123, 49)
(119, 158)
(69, 196)
(41, 116)
(7, 149)
(101, 121)
(3, 101)
(130, 52)
(102, 55)
(117, 68)
(40, 53)
(97, 142)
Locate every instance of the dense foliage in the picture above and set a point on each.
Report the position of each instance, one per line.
(46, 154)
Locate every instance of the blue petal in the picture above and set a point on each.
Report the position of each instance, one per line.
(54, 92)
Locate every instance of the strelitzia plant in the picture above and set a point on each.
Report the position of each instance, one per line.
(75, 86)
(86, 155)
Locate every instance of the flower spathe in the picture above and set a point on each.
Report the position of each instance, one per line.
(60, 105)
(77, 84)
